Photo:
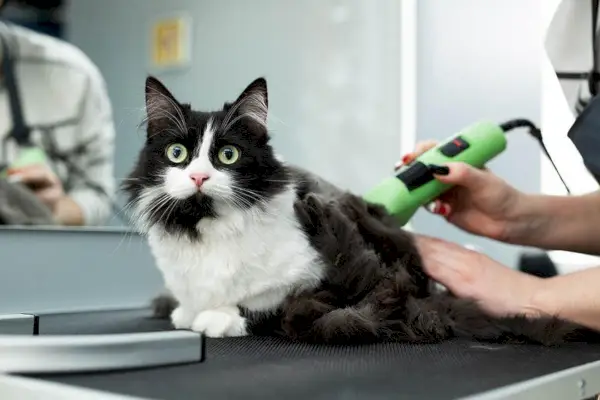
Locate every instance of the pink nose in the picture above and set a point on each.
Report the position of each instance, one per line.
(198, 178)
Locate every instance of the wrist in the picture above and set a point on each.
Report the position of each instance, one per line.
(68, 212)
(527, 220)
(542, 301)
(551, 222)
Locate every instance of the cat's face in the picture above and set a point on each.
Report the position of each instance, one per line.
(197, 165)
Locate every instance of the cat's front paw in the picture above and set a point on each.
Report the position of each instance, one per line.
(222, 322)
(182, 318)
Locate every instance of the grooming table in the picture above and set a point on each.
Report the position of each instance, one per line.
(125, 354)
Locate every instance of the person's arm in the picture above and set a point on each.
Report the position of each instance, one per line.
(569, 223)
(574, 297)
(49, 190)
(84, 204)
(68, 212)
(504, 291)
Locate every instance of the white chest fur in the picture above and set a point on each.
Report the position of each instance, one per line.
(249, 258)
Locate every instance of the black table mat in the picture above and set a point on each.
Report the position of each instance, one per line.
(267, 368)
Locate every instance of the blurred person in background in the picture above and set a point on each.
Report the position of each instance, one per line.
(66, 112)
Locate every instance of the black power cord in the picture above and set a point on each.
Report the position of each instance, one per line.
(537, 134)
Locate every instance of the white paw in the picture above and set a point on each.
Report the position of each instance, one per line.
(220, 323)
(181, 318)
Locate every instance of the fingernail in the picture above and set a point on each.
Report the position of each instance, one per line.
(407, 158)
(434, 207)
(439, 169)
(444, 210)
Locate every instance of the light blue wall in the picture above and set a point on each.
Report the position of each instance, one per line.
(481, 59)
(332, 67)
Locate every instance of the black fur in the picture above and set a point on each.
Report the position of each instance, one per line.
(258, 172)
(374, 289)
(163, 305)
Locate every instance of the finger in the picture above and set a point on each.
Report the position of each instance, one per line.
(48, 196)
(424, 146)
(462, 174)
(420, 148)
(23, 169)
(34, 175)
(435, 264)
(448, 198)
(406, 159)
(439, 207)
(448, 263)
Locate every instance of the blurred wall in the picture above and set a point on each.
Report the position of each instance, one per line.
(332, 67)
(481, 60)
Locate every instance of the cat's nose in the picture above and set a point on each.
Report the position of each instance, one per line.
(199, 178)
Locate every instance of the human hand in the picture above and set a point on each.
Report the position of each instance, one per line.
(498, 289)
(480, 202)
(42, 181)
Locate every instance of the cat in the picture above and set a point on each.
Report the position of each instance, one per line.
(250, 245)
(216, 204)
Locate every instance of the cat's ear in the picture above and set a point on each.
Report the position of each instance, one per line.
(162, 109)
(254, 102)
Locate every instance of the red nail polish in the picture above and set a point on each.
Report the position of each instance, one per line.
(407, 158)
(444, 210)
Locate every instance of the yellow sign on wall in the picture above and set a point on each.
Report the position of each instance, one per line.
(169, 42)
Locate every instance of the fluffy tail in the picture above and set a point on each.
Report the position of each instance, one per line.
(425, 320)
(163, 305)
(466, 320)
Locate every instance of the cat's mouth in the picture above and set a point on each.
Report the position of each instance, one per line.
(200, 195)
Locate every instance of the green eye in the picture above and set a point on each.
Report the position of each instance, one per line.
(177, 153)
(229, 154)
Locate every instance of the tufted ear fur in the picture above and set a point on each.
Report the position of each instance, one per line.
(162, 109)
(254, 101)
(251, 107)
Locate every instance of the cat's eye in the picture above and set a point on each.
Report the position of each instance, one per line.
(229, 154)
(177, 153)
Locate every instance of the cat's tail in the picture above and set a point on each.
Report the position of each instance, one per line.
(465, 319)
(163, 305)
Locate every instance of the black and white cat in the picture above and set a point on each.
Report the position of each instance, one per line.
(217, 206)
(250, 245)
